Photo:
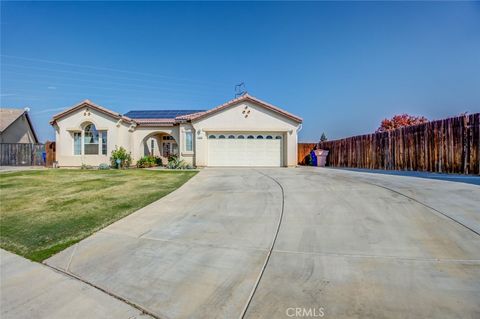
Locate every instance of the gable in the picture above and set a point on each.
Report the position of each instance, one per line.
(245, 115)
(20, 131)
(253, 100)
(76, 118)
(91, 107)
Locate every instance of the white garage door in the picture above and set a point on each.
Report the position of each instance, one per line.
(250, 149)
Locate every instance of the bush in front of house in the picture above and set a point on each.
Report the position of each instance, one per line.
(124, 158)
(175, 163)
(149, 161)
(85, 166)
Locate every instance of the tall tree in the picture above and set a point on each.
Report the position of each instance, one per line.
(400, 120)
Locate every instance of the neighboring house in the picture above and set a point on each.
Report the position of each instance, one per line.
(242, 132)
(16, 126)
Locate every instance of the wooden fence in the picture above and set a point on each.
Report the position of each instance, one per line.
(447, 146)
(22, 154)
(303, 150)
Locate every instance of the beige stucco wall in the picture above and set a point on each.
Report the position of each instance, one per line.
(18, 132)
(136, 138)
(259, 120)
(117, 135)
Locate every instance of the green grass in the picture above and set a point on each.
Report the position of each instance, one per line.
(43, 212)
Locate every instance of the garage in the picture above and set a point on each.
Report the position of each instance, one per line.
(245, 149)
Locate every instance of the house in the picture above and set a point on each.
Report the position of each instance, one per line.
(242, 132)
(16, 126)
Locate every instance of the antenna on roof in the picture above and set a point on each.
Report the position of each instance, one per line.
(240, 89)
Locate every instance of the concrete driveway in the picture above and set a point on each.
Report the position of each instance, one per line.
(282, 243)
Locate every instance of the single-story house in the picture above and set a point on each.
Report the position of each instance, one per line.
(242, 132)
(16, 126)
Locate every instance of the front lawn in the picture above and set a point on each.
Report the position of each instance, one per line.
(45, 211)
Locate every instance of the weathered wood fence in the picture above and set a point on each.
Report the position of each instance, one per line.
(303, 150)
(448, 146)
(22, 154)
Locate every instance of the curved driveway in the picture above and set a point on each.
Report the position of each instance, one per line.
(349, 245)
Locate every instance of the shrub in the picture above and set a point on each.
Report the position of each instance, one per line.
(85, 166)
(103, 166)
(125, 159)
(149, 161)
(175, 163)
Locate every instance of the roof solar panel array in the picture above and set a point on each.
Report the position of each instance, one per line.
(159, 114)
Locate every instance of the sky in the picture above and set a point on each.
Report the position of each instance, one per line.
(341, 66)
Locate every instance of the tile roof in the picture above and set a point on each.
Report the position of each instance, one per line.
(169, 117)
(160, 114)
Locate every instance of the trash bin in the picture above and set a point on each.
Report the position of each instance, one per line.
(321, 157)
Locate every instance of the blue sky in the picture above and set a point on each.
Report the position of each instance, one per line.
(341, 66)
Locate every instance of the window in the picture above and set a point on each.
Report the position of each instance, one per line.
(152, 146)
(77, 143)
(250, 137)
(259, 137)
(90, 140)
(241, 137)
(269, 137)
(167, 138)
(221, 136)
(231, 136)
(278, 137)
(104, 143)
(189, 141)
(212, 136)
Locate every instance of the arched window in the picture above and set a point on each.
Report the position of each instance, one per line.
(231, 136)
(259, 137)
(241, 137)
(269, 137)
(278, 137)
(90, 140)
(212, 136)
(250, 137)
(221, 136)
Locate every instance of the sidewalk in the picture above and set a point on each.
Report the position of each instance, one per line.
(32, 290)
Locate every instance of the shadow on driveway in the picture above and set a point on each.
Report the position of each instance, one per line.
(469, 179)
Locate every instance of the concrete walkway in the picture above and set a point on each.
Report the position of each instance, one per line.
(262, 243)
(31, 290)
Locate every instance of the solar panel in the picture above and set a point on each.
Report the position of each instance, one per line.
(159, 114)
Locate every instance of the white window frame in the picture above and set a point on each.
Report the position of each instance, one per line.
(189, 145)
(82, 141)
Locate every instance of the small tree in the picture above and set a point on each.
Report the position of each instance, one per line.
(323, 138)
(401, 121)
(120, 158)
